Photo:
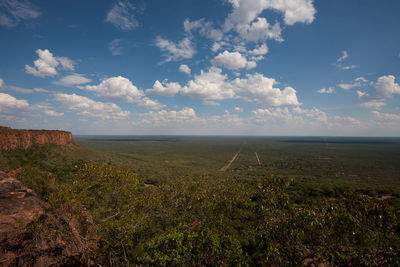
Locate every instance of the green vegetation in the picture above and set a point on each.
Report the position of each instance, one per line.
(166, 202)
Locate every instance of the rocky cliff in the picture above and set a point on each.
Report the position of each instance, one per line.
(14, 139)
(32, 236)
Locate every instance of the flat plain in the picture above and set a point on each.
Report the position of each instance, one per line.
(321, 163)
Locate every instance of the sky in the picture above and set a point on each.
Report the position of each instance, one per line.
(201, 67)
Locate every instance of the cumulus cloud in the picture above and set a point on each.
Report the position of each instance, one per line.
(204, 27)
(330, 90)
(213, 85)
(185, 69)
(72, 80)
(66, 63)
(121, 16)
(121, 89)
(385, 116)
(14, 11)
(115, 47)
(245, 11)
(116, 88)
(165, 88)
(373, 104)
(87, 107)
(273, 114)
(233, 61)
(260, 30)
(313, 113)
(385, 87)
(176, 51)
(8, 102)
(53, 113)
(258, 88)
(164, 117)
(358, 82)
(47, 64)
(260, 50)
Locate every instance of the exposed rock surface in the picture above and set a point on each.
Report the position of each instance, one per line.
(14, 139)
(31, 236)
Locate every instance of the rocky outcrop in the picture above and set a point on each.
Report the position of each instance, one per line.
(14, 139)
(32, 236)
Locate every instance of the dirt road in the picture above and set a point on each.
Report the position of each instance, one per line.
(230, 163)
(258, 159)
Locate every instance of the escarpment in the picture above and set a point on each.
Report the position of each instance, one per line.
(14, 139)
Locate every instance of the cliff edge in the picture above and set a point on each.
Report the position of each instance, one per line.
(13, 139)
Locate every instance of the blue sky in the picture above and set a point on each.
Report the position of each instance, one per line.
(240, 67)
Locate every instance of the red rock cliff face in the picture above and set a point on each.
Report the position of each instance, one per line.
(14, 139)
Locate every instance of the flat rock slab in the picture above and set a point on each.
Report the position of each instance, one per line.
(19, 205)
(55, 243)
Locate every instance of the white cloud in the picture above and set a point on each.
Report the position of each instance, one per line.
(165, 117)
(260, 50)
(237, 109)
(210, 103)
(72, 80)
(260, 30)
(385, 116)
(245, 11)
(116, 88)
(53, 113)
(87, 107)
(349, 67)
(173, 52)
(40, 90)
(121, 16)
(185, 69)
(19, 89)
(386, 87)
(260, 89)
(149, 103)
(115, 47)
(46, 64)
(121, 89)
(313, 113)
(9, 102)
(204, 27)
(343, 57)
(360, 81)
(213, 85)
(66, 63)
(274, 114)
(14, 11)
(165, 88)
(330, 90)
(233, 61)
(1, 83)
(362, 95)
(373, 104)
